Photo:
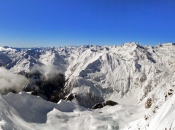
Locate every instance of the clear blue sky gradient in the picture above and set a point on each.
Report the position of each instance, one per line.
(32, 23)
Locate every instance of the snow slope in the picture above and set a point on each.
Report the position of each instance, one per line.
(24, 111)
(129, 74)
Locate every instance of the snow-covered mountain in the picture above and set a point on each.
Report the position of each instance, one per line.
(140, 79)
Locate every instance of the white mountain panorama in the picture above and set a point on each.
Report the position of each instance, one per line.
(89, 87)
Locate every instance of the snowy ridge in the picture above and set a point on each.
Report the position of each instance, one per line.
(140, 79)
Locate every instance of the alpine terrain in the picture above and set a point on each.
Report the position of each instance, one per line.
(89, 87)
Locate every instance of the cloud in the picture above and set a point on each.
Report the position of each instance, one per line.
(48, 71)
(11, 81)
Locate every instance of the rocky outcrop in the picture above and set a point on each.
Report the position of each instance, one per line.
(70, 97)
(50, 88)
(106, 103)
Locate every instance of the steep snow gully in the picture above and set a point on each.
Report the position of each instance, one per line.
(139, 78)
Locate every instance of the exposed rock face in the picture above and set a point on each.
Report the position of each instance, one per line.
(49, 88)
(70, 97)
(110, 103)
(98, 105)
(59, 95)
(101, 105)
(148, 103)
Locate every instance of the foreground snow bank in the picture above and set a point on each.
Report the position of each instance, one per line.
(24, 111)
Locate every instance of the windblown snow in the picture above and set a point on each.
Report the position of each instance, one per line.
(139, 78)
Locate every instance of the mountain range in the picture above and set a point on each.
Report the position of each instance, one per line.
(139, 78)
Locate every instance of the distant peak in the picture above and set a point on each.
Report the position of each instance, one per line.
(87, 46)
(168, 43)
(131, 44)
(6, 47)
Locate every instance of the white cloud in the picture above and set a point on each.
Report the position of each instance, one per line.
(11, 81)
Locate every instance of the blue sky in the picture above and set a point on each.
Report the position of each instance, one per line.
(32, 23)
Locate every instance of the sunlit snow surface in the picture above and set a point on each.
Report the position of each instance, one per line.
(27, 112)
(23, 111)
(128, 74)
